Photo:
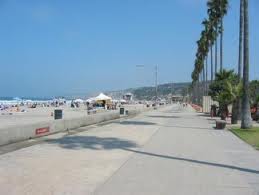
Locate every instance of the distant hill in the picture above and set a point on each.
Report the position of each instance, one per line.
(147, 93)
(141, 93)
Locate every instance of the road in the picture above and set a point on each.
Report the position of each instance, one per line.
(168, 151)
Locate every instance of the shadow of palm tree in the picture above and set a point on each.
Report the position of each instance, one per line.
(92, 142)
(131, 122)
(204, 114)
(186, 127)
(195, 161)
(161, 116)
(176, 111)
(211, 119)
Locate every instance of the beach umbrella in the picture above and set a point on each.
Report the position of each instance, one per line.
(17, 99)
(90, 100)
(79, 101)
(115, 101)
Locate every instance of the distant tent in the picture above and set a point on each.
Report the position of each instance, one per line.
(102, 97)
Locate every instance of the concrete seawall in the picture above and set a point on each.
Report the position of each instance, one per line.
(138, 110)
(18, 133)
(24, 132)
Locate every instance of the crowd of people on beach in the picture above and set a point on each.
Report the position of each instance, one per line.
(11, 108)
(96, 105)
(22, 106)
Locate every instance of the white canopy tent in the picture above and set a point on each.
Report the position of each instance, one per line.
(102, 97)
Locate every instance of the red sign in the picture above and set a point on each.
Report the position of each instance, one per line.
(42, 130)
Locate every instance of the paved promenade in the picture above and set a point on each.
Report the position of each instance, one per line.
(167, 151)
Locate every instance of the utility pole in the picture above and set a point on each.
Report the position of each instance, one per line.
(156, 85)
(156, 70)
(172, 85)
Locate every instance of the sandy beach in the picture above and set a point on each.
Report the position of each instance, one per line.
(43, 114)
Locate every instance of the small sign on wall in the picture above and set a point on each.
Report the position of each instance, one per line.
(42, 130)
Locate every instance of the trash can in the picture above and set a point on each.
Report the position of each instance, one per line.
(221, 124)
(122, 111)
(58, 114)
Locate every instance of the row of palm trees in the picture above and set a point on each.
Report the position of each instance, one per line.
(208, 47)
(213, 28)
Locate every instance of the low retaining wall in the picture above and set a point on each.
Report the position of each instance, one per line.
(138, 110)
(20, 133)
(24, 132)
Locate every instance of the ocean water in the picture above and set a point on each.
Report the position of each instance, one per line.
(18, 100)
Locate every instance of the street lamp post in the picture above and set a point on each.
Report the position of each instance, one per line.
(156, 71)
(172, 85)
(156, 78)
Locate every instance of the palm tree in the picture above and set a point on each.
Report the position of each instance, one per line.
(198, 74)
(236, 111)
(217, 9)
(211, 63)
(211, 37)
(216, 55)
(213, 13)
(241, 33)
(206, 76)
(246, 121)
(223, 12)
(221, 44)
(203, 81)
(225, 89)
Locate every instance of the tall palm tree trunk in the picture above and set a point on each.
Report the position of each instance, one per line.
(206, 77)
(246, 121)
(211, 63)
(203, 80)
(236, 109)
(240, 58)
(221, 44)
(216, 56)
(198, 90)
(241, 34)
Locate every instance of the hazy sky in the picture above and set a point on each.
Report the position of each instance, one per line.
(64, 47)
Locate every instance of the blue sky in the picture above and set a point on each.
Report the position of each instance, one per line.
(64, 47)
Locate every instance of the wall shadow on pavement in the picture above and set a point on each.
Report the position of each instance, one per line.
(196, 161)
(131, 122)
(92, 142)
(211, 119)
(204, 114)
(162, 116)
(186, 127)
(176, 111)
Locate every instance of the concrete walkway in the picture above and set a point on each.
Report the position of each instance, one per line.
(169, 151)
